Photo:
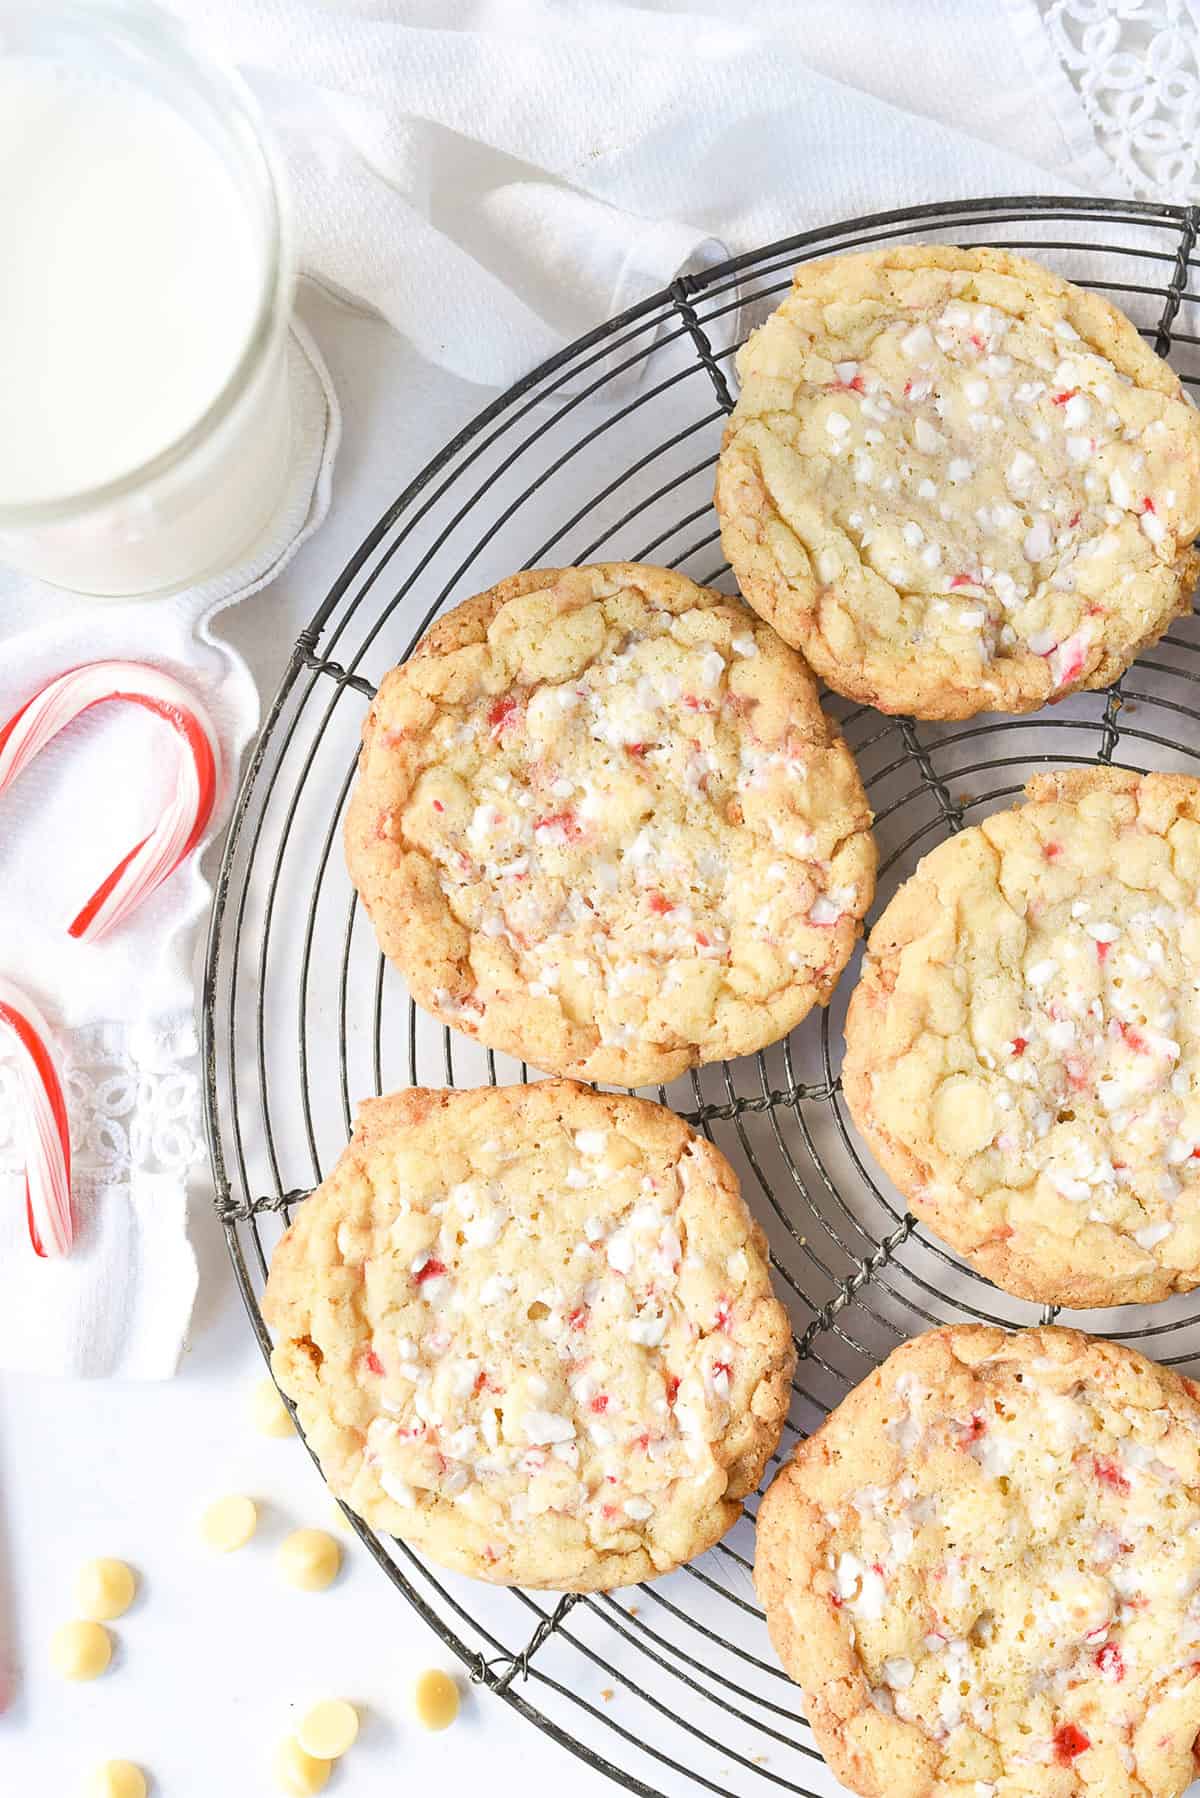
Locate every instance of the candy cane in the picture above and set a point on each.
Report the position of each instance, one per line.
(181, 826)
(47, 1134)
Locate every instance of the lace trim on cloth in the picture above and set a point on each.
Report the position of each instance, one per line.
(1135, 67)
(133, 1096)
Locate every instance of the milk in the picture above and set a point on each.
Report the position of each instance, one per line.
(134, 274)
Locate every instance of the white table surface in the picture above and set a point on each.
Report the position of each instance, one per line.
(218, 1658)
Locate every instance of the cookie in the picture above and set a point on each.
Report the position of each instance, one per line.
(958, 483)
(1023, 1049)
(602, 823)
(531, 1331)
(984, 1571)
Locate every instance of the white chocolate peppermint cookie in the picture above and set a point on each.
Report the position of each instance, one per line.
(984, 1571)
(531, 1331)
(602, 823)
(958, 483)
(1023, 1049)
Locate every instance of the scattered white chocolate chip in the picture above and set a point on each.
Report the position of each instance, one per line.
(116, 1779)
(309, 1559)
(104, 1589)
(270, 1415)
(329, 1729)
(81, 1650)
(435, 1699)
(297, 1773)
(229, 1523)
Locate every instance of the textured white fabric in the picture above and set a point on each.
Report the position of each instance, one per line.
(1123, 79)
(493, 177)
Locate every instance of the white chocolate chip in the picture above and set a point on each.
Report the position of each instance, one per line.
(229, 1523)
(309, 1560)
(329, 1729)
(297, 1773)
(104, 1590)
(435, 1699)
(116, 1779)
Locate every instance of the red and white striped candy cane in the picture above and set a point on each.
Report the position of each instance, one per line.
(47, 1135)
(181, 826)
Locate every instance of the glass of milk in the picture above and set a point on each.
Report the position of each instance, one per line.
(145, 289)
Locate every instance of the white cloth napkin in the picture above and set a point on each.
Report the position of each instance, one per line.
(492, 177)
(122, 1009)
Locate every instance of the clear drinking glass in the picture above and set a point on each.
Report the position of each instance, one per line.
(194, 503)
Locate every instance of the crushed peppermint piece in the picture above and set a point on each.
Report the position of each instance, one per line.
(546, 1426)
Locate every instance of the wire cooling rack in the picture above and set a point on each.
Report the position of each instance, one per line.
(607, 452)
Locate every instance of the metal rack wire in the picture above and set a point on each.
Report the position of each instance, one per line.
(607, 451)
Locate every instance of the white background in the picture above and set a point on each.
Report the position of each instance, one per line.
(217, 1659)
